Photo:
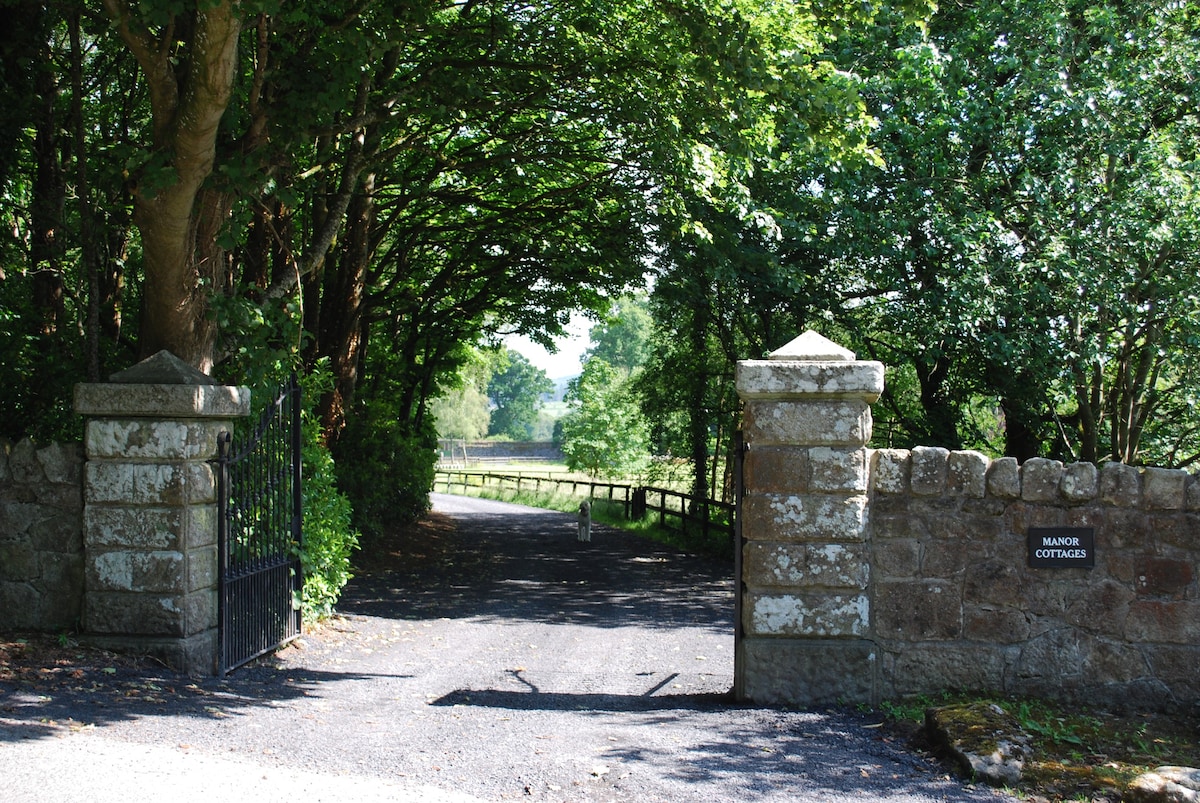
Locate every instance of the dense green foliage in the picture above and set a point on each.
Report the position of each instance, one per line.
(328, 533)
(516, 390)
(998, 201)
(463, 410)
(1016, 244)
(328, 536)
(622, 338)
(605, 433)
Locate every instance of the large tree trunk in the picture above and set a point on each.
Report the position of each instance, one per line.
(48, 202)
(343, 326)
(177, 219)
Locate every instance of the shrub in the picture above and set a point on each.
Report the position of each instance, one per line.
(385, 469)
(329, 536)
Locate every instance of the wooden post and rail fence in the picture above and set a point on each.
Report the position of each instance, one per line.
(676, 510)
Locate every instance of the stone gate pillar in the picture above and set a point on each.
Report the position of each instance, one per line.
(150, 509)
(804, 633)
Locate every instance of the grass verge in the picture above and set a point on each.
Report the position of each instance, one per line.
(1079, 753)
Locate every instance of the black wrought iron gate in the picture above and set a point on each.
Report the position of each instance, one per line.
(259, 532)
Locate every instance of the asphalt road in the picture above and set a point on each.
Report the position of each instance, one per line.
(489, 657)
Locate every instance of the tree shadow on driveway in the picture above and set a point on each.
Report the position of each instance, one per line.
(527, 565)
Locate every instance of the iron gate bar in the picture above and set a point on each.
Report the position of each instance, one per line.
(259, 534)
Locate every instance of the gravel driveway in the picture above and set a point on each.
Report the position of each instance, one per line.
(488, 657)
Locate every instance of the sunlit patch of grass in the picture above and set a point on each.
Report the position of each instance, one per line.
(1078, 752)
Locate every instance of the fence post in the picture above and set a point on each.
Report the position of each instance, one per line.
(150, 509)
(805, 636)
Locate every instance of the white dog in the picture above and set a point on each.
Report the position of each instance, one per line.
(585, 521)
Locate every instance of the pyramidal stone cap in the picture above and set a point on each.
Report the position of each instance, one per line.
(810, 367)
(811, 346)
(164, 368)
(161, 386)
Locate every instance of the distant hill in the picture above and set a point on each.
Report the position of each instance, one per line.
(560, 388)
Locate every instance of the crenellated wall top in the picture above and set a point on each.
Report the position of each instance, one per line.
(932, 471)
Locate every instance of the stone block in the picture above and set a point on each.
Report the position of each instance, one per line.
(61, 589)
(806, 673)
(1193, 494)
(150, 439)
(1057, 655)
(200, 611)
(199, 653)
(890, 471)
(829, 566)
(18, 561)
(1177, 531)
(930, 467)
(949, 558)
(994, 582)
(924, 610)
(804, 517)
(1175, 667)
(814, 423)
(194, 655)
(58, 531)
(1164, 577)
(810, 615)
(20, 606)
(62, 464)
(64, 498)
(24, 464)
(995, 625)
(897, 559)
(1043, 515)
(5, 470)
(1080, 482)
(1113, 662)
(1120, 485)
(157, 572)
(776, 469)
(161, 401)
(132, 614)
(150, 572)
(201, 569)
(1004, 478)
(149, 528)
(946, 521)
(902, 524)
(838, 470)
(1092, 515)
(1164, 488)
(791, 379)
(967, 474)
(932, 668)
(1102, 607)
(200, 528)
(1040, 480)
(201, 483)
(988, 506)
(135, 484)
(1164, 621)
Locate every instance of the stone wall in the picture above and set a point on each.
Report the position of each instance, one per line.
(868, 575)
(41, 540)
(122, 547)
(150, 513)
(956, 604)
